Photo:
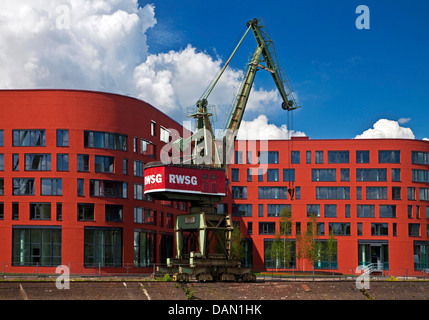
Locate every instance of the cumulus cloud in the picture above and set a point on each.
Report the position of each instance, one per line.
(385, 129)
(102, 45)
(176, 80)
(260, 129)
(77, 44)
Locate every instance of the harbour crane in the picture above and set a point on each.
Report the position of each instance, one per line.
(201, 179)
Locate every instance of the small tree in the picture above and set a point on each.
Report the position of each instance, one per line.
(331, 248)
(307, 247)
(285, 230)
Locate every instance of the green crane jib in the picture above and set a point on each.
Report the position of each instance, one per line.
(264, 57)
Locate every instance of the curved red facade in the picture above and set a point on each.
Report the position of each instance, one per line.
(73, 182)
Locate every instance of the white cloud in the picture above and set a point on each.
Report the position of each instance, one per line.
(260, 129)
(385, 129)
(102, 45)
(77, 44)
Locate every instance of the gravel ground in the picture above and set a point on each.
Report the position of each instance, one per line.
(260, 290)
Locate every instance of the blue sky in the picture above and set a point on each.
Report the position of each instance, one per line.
(346, 79)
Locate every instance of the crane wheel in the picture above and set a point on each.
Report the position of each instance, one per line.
(248, 277)
(204, 277)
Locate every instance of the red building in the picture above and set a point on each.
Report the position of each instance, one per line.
(71, 182)
(372, 196)
(71, 191)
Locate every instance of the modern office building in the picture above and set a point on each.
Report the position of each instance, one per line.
(71, 182)
(71, 192)
(370, 199)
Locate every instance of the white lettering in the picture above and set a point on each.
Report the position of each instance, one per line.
(63, 280)
(362, 22)
(152, 178)
(182, 179)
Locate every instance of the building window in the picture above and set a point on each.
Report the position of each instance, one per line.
(40, 211)
(59, 211)
(138, 168)
(323, 175)
(362, 156)
(15, 211)
(418, 157)
(330, 210)
(107, 188)
(83, 163)
(414, 230)
(260, 210)
(51, 187)
(1, 162)
(295, 157)
(138, 191)
(273, 175)
(164, 135)
(345, 175)
(379, 229)
(85, 212)
(389, 156)
(62, 162)
(235, 175)
(396, 193)
(421, 255)
(274, 210)
(15, 162)
(249, 157)
(376, 193)
(267, 228)
(338, 157)
(62, 138)
(387, 211)
(371, 174)
(29, 138)
(420, 176)
(365, 211)
(113, 213)
(125, 166)
(272, 192)
(396, 175)
(144, 248)
(105, 140)
(268, 157)
(1, 138)
(313, 210)
(339, 228)
(239, 192)
(358, 193)
(144, 215)
(289, 175)
(333, 193)
(104, 164)
(80, 188)
(135, 143)
(238, 157)
(249, 228)
(1, 186)
(308, 157)
(424, 194)
(1, 211)
(147, 148)
(23, 187)
(359, 229)
(249, 175)
(347, 211)
(102, 247)
(319, 157)
(241, 210)
(37, 162)
(36, 246)
(152, 128)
